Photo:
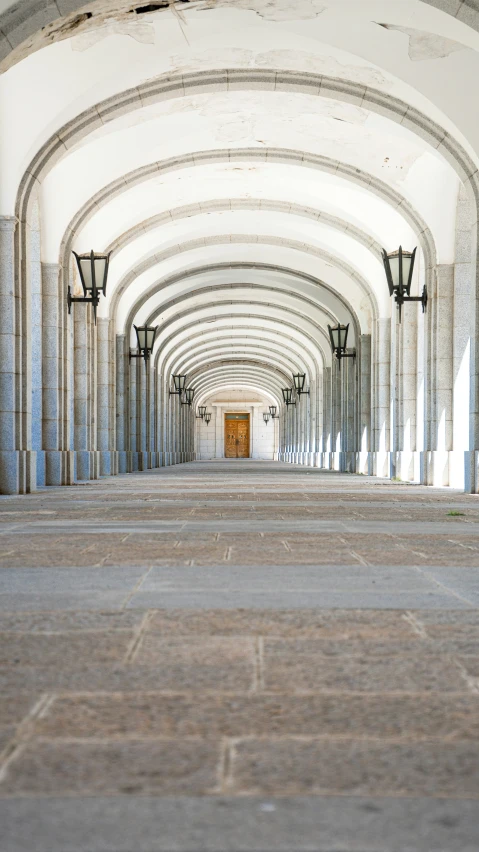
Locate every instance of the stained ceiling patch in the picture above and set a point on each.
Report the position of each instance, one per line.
(424, 45)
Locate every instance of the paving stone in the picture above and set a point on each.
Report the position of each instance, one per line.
(44, 650)
(61, 622)
(353, 624)
(214, 663)
(165, 767)
(14, 708)
(293, 766)
(299, 666)
(180, 715)
(278, 599)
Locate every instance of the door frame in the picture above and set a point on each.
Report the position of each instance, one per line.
(247, 415)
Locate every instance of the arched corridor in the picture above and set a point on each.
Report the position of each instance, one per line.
(239, 301)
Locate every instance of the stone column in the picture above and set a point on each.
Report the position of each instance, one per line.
(9, 456)
(103, 396)
(462, 470)
(219, 440)
(133, 451)
(142, 409)
(444, 372)
(82, 401)
(349, 424)
(153, 455)
(336, 430)
(365, 366)
(51, 403)
(408, 465)
(383, 411)
(327, 419)
(121, 363)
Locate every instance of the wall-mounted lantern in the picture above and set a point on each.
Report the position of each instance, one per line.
(189, 394)
(207, 417)
(288, 396)
(179, 382)
(399, 266)
(145, 336)
(201, 412)
(339, 338)
(272, 411)
(93, 271)
(266, 416)
(299, 380)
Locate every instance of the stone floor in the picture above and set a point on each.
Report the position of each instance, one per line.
(233, 656)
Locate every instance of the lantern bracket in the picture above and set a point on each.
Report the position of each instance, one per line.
(400, 298)
(95, 300)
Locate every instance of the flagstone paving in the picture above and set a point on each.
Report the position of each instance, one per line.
(239, 656)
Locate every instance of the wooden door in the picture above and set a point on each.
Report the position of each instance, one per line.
(237, 436)
(242, 439)
(231, 428)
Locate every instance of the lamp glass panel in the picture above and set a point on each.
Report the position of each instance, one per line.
(343, 336)
(85, 266)
(272, 410)
(100, 269)
(335, 336)
(141, 335)
(150, 337)
(406, 267)
(394, 267)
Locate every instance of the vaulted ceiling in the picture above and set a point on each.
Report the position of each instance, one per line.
(244, 160)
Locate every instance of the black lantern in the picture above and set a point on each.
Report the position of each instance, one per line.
(145, 335)
(399, 266)
(207, 417)
(179, 382)
(288, 396)
(189, 394)
(93, 271)
(266, 416)
(201, 412)
(272, 411)
(339, 338)
(299, 380)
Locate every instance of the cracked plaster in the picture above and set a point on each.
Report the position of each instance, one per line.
(138, 29)
(424, 45)
(275, 10)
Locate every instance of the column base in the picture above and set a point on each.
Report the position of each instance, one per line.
(132, 461)
(60, 467)
(18, 471)
(122, 461)
(105, 463)
(88, 465)
(455, 468)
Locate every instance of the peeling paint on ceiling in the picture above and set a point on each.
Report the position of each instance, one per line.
(424, 45)
(275, 10)
(140, 30)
